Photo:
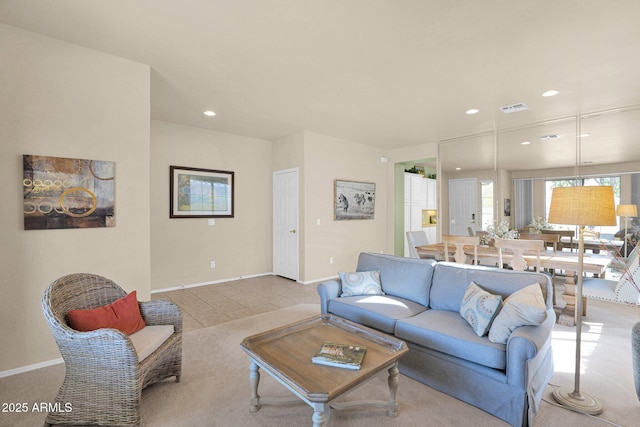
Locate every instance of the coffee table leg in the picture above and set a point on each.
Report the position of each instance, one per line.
(393, 388)
(254, 379)
(319, 417)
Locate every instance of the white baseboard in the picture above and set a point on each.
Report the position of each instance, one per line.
(195, 285)
(324, 279)
(28, 368)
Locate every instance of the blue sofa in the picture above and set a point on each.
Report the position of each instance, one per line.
(421, 306)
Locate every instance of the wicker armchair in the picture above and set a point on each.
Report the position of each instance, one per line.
(104, 380)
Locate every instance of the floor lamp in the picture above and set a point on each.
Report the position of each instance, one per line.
(581, 206)
(626, 211)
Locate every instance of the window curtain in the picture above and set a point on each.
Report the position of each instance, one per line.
(523, 194)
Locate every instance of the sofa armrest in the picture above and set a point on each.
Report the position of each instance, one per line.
(328, 291)
(161, 312)
(526, 349)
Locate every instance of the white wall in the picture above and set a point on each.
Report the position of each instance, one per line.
(328, 159)
(62, 100)
(59, 99)
(182, 248)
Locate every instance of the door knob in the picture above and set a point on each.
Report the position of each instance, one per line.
(292, 231)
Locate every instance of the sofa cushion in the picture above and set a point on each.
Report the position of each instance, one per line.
(450, 282)
(376, 311)
(479, 307)
(123, 314)
(447, 332)
(148, 339)
(360, 283)
(407, 278)
(524, 307)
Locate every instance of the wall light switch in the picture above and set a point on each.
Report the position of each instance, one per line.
(318, 221)
(212, 221)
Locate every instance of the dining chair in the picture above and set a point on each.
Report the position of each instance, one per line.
(552, 240)
(518, 247)
(459, 242)
(417, 238)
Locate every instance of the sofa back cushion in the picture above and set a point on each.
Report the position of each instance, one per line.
(450, 281)
(408, 278)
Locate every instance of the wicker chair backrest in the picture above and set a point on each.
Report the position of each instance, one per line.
(78, 291)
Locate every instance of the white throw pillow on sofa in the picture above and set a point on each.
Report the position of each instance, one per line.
(523, 307)
(479, 307)
(361, 283)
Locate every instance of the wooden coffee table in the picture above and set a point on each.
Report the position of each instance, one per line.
(285, 354)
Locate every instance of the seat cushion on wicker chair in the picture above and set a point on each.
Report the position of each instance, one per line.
(149, 338)
(123, 314)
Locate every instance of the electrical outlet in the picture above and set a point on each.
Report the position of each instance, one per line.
(213, 264)
(330, 260)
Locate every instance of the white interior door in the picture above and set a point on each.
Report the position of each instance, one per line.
(285, 224)
(462, 206)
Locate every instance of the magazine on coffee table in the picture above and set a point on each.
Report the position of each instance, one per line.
(340, 355)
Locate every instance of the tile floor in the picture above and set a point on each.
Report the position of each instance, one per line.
(213, 304)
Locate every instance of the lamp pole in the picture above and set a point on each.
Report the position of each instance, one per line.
(581, 206)
(626, 211)
(626, 221)
(576, 400)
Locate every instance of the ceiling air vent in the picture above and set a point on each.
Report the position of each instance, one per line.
(552, 137)
(514, 108)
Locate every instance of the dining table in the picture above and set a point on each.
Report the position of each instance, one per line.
(595, 264)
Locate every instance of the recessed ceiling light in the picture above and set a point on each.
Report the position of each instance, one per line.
(584, 135)
(209, 113)
(472, 111)
(525, 143)
(550, 93)
(458, 169)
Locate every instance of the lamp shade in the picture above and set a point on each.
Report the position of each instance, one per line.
(582, 206)
(627, 210)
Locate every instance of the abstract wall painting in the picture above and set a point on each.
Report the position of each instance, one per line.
(354, 200)
(60, 193)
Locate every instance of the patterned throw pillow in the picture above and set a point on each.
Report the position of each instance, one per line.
(361, 283)
(479, 307)
(523, 307)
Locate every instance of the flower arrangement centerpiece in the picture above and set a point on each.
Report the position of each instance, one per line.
(537, 224)
(501, 231)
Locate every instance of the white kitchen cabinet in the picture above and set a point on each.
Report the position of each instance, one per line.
(419, 195)
(430, 185)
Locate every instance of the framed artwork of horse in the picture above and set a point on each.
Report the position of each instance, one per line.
(353, 200)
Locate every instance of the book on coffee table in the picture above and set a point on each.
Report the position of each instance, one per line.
(340, 355)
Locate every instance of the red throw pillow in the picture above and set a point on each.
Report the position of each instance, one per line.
(123, 315)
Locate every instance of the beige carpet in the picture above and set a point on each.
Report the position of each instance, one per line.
(214, 390)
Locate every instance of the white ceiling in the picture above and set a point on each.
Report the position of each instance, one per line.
(386, 73)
